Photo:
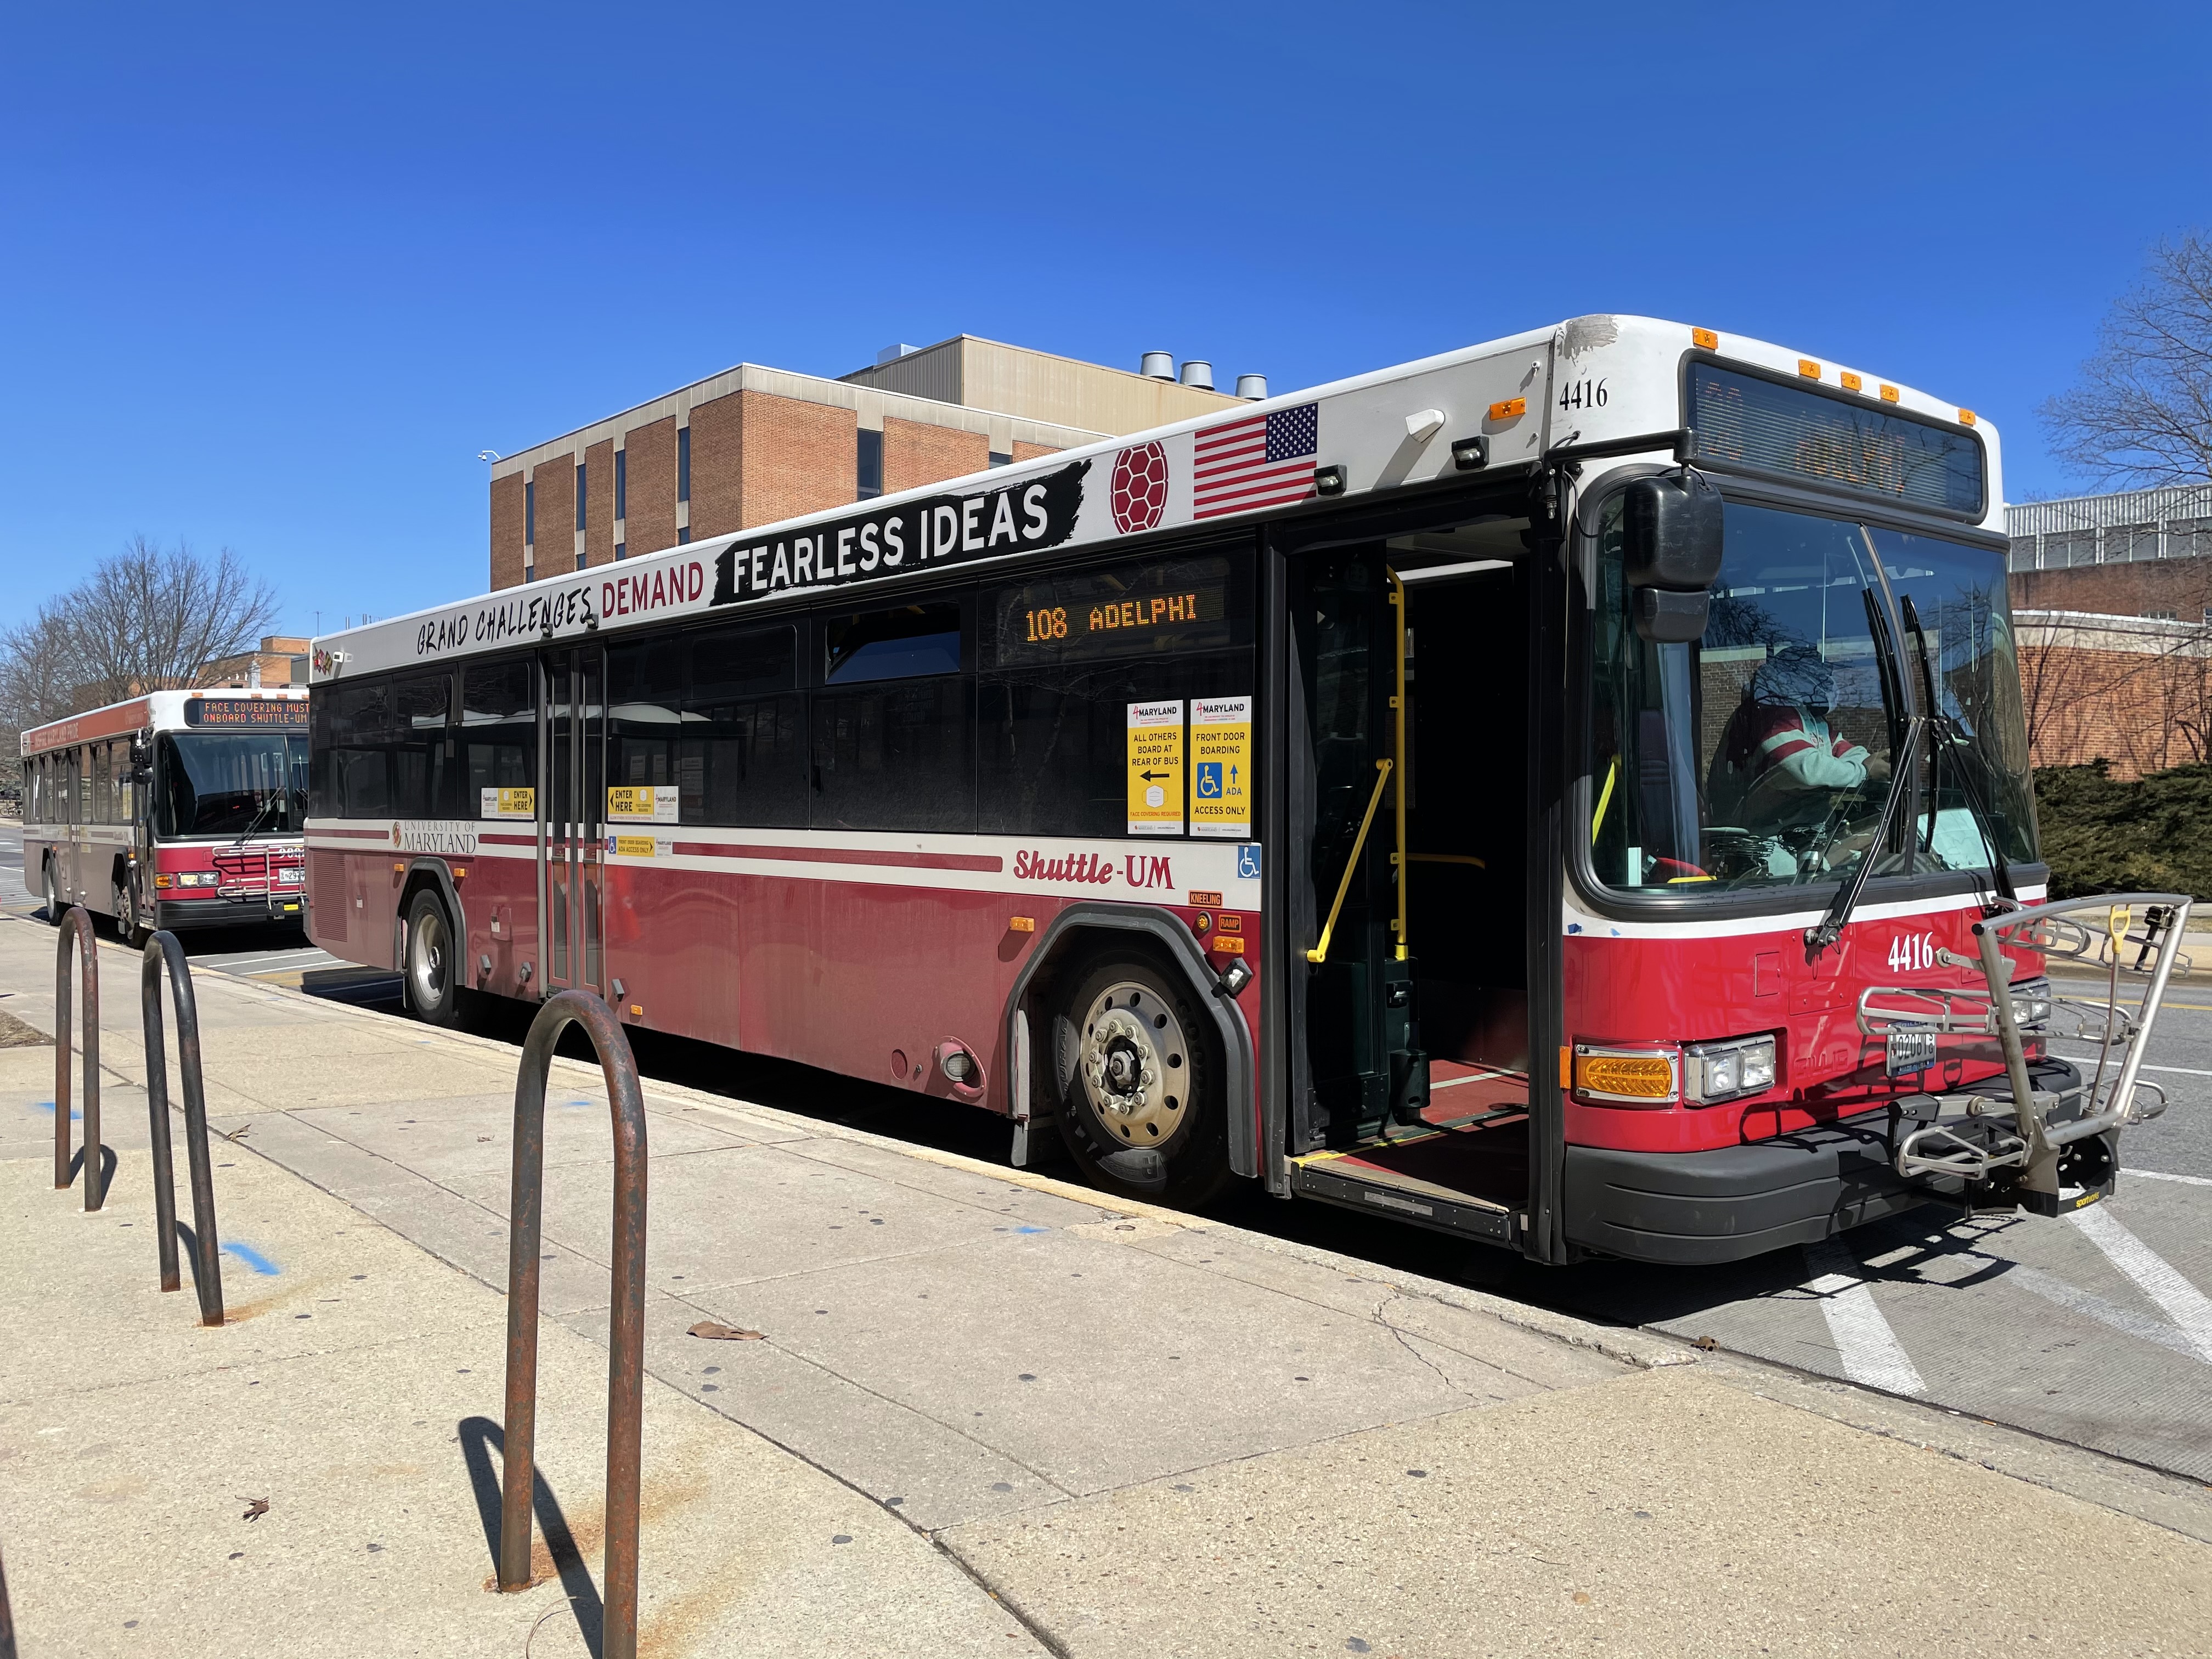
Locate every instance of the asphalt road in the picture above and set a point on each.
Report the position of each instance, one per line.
(2096, 1330)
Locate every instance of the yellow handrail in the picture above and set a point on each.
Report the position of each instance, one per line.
(1604, 799)
(1398, 752)
(1319, 952)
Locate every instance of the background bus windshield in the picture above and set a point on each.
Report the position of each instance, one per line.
(1760, 754)
(227, 783)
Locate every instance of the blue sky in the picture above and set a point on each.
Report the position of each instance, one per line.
(273, 278)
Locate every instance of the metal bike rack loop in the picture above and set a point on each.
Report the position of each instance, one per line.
(207, 1272)
(626, 1345)
(76, 934)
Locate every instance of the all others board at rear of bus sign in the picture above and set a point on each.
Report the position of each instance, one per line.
(1156, 773)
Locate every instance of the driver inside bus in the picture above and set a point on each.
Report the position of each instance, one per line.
(1780, 764)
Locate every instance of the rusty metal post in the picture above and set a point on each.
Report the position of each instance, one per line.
(207, 1270)
(7, 1620)
(626, 1344)
(76, 933)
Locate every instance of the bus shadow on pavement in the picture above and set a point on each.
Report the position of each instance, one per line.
(483, 1444)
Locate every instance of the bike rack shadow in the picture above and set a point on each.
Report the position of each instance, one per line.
(76, 935)
(480, 1438)
(626, 1299)
(163, 950)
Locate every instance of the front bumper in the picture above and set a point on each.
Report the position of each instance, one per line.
(1691, 1209)
(182, 915)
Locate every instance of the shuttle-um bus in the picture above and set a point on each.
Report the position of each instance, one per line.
(1570, 793)
(175, 810)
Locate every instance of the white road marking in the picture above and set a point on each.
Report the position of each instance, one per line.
(1870, 1350)
(2189, 1307)
(2160, 1175)
(2179, 1071)
(2051, 1288)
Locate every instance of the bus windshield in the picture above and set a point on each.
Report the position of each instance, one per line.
(1760, 754)
(232, 783)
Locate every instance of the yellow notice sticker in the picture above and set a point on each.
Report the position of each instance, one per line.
(1156, 768)
(507, 803)
(641, 803)
(635, 847)
(1221, 767)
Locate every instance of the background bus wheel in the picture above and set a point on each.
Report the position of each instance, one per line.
(428, 975)
(128, 920)
(1142, 1115)
(54, 906)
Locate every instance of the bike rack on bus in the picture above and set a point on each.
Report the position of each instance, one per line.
(76, 934)
(626, 1361)
(2029, 1132)
(206, 1272)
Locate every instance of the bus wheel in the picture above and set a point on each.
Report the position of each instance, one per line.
(1142, 1114)
(427, 974)
(128, 920)
(54, 906)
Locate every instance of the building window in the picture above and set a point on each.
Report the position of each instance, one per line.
(683, 462)
(683, 534)
(621, 485)
(2163, 615)
(997, 459)
(621, 548)
(871, 466)
(530, 573)
(580, 499)
(529, 513)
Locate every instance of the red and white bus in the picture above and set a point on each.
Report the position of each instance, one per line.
(175, 810)
(1487, 791)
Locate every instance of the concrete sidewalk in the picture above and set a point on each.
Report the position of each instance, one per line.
(988, 1412)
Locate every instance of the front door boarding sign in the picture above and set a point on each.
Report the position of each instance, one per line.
(1156, 768)
(1221, 767)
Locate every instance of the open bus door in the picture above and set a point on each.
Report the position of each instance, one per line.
(571, 865)
(1420, 973)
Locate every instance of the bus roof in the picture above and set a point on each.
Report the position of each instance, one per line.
(159, 711)
(1396, 427)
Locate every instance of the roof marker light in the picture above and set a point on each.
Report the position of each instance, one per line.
(1852, 382)
(1889, 392)
(1510, 408)
(1808, 369)
(1705, 339)
(1965, 417)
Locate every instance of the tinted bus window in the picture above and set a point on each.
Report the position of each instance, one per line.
(905, 643)
(382, 748)
(743, 760)
(498, 738)
(896, 757)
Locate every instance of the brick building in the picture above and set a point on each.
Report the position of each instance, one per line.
(754, 445)
(2112, 599)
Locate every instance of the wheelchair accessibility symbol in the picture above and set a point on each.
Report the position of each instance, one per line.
(1209, 780)
(1247, 862)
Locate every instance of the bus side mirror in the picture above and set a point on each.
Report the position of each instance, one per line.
(1671, 552)
(142, 761)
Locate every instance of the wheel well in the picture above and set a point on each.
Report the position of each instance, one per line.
(1080, 936)
(429, 876)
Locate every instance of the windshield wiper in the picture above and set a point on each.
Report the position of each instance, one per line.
(246, 833)
(1946, 734)
(1831, 929)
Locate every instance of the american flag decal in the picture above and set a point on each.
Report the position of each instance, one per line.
(1261, 460)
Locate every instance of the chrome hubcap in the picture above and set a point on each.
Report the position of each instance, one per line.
(1135, 1065)
(426, 960)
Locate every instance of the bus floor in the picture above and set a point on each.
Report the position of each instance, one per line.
(1472, 1142)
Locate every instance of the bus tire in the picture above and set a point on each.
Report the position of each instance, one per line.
(54, 905)
(1141, 1113)
(429, 978)
(130, 917)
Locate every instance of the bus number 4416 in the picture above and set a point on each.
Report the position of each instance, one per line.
(1911, 953)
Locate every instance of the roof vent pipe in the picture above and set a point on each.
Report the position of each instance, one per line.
(1252, 388)
(1158, 365)
(1197, 372)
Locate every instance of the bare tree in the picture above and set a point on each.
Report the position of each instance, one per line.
(2141, 413)
(148, 618)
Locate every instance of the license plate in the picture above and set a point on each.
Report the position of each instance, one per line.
(288, 878)
(1909, 1051)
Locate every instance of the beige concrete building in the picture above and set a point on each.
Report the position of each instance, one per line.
(753, 445)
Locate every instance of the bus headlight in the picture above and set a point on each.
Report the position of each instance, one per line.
(1715, 1072)
(2030, 1002)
